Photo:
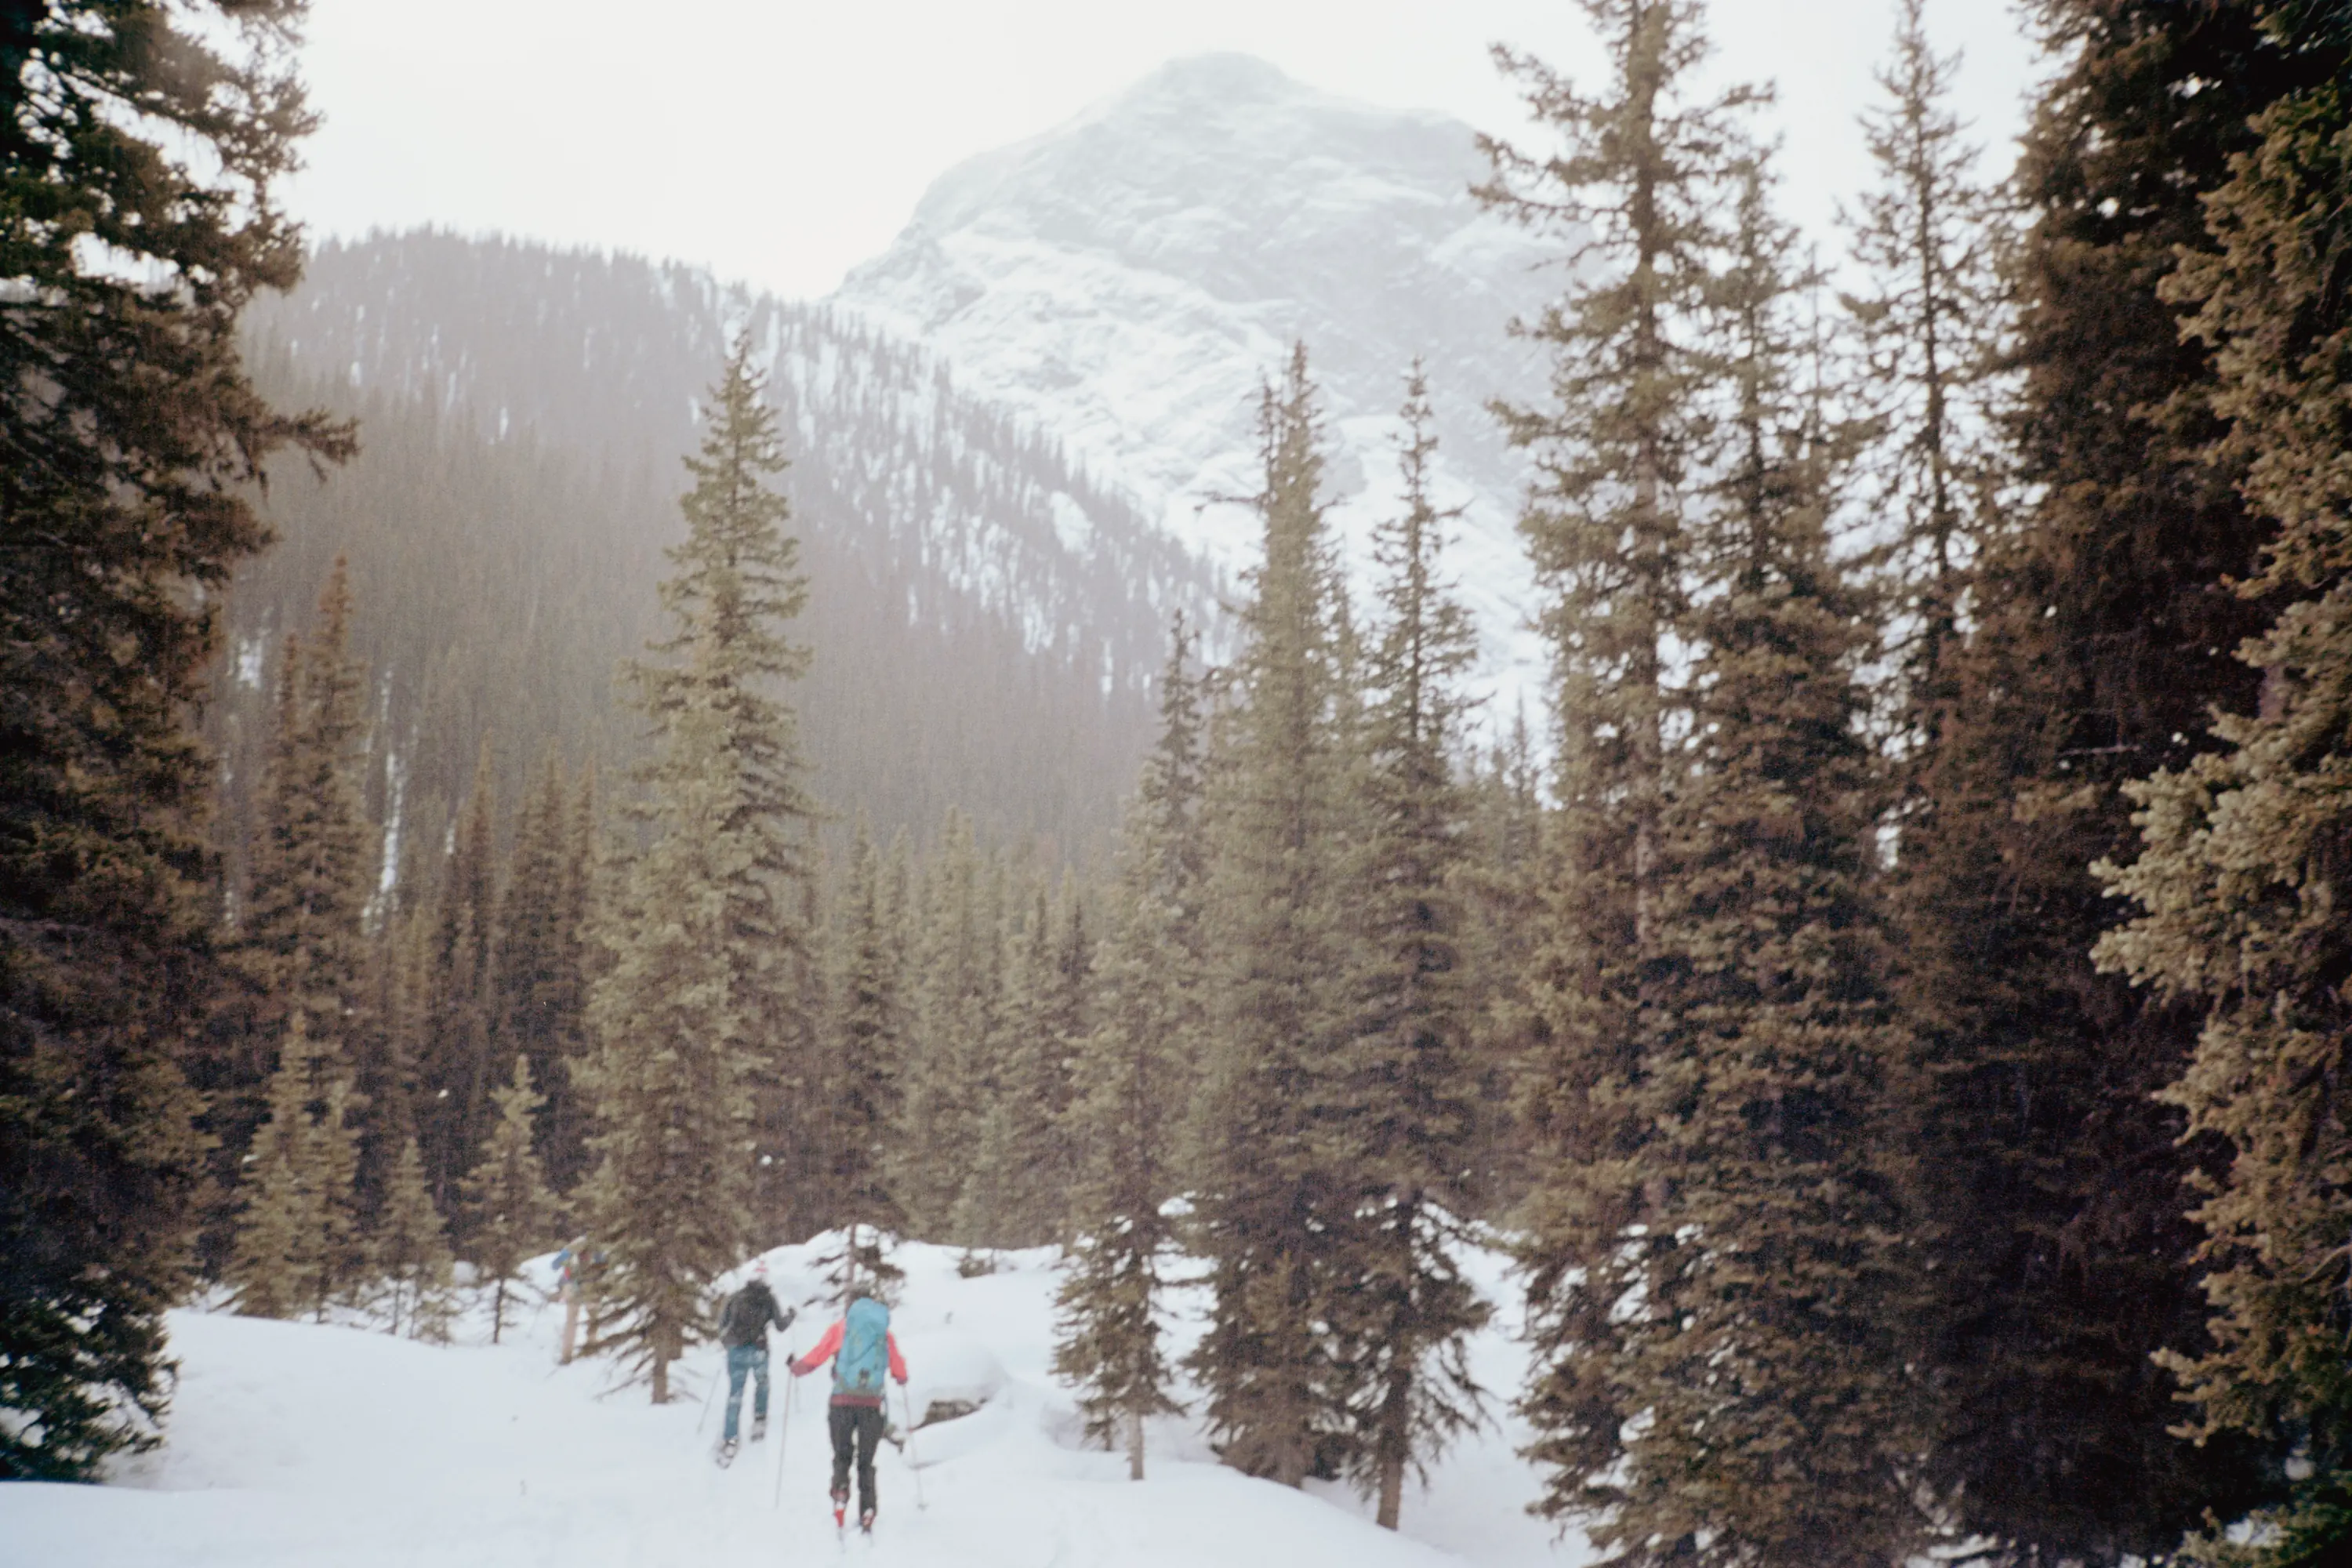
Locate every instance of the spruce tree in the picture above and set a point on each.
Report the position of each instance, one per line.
(1930, 319)
(411, 1251)
(129, 437)
(1402, 1308)
(301, 937)
(2238, 881)
(299, 941)
(1131, 1080)
(452, 1074)
(670, 1198)
(1642, 185)
(1755, 1356)
(1011, 1194)
(702, 944)
(1278, 816)
(537, 982)
(957, 965)
(512, 1216)
(2103, 622)
(563, 1125)
(862, 1094)
(736, 589)
(294, 1251)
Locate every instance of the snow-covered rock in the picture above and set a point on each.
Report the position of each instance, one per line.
(1127, 281)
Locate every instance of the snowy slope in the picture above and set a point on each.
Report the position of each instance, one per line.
(1128, 279)
(298, 1445)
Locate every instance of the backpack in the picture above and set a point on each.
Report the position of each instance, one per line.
(864, 1358)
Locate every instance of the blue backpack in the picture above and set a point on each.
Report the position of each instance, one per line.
(864, 1359)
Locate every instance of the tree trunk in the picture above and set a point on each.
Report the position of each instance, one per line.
(661, 1379)
(1135, 1444)
(1392, 1447)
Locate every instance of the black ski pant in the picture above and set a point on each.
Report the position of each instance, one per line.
(858, 1427)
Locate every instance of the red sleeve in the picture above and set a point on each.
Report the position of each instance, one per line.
(822, 1348)
(897, 1362)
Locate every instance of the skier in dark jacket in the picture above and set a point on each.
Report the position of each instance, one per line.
(862, 1348)
(743, 1329)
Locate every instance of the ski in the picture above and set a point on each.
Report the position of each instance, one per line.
(725, 1453)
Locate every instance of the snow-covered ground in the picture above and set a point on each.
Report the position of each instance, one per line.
(296, 1444)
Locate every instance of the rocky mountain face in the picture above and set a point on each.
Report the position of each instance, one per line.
(1128, 281)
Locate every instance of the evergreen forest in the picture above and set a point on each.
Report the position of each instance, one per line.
(503, 747)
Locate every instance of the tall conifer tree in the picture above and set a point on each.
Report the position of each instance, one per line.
(2102, 625)
(2241, 882)
(1130, 1079)
(1277, 816)
(128, 438)
(732, 599)
(1642, 185)
(1930, 318)
(1403, 1308)
(863, 1095)
(702, 944)
(452, 1074)
(670, 1197)
(957, 965)
(1755, 1356)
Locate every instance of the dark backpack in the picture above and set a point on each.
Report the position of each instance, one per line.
(745, 1317)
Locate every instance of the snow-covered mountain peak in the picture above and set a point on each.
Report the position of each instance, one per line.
(1128, 279)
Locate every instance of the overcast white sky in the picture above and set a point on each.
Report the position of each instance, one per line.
(781, 141)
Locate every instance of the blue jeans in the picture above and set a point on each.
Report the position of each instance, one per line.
(740, 1360)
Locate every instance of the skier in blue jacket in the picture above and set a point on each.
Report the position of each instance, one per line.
(862, 1349)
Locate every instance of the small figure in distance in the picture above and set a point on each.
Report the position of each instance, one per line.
(863, 1349)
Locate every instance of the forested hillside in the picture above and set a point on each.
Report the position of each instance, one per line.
(985, 618)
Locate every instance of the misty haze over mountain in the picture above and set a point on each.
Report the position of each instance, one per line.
(1018, 437)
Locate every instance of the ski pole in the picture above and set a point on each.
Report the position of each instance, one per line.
(785, 1432)
(703, 1419)
(906, 1402)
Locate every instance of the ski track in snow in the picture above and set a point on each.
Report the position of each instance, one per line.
(297, 1444)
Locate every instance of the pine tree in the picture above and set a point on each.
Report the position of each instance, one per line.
(1930, 324)
(736, 589)
(957, 965)
(129, 434)
(862, 1097)
(1008, 1196)
(1756, 1356)
(563, 1125)
(294, 1240)
(2238, 883)
(301, 938)
(300, 943)
(1643, 187)
(1403, 1309)
(1132, 1083)
(1276, 817)
(453, 1075)
(703, 943)
(411, 1251)
(513, 1216)
(2102, 625)
(670, 1200)
(537, 984)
